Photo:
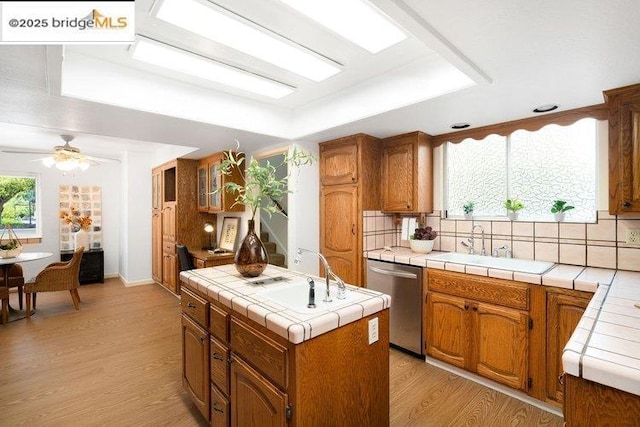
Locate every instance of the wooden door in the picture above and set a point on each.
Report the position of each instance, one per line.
(448, 331)
(501, 338)
(630, 156)
(254, 400)
(339, 231)
(170, 272)
(215, 185)
(156, 188)
(169, 222)
(563, 314)
(156, 246)
(398, 176)
(339, 163)
(195, 364)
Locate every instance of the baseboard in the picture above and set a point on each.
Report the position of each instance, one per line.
(495, 386)
(135, 282)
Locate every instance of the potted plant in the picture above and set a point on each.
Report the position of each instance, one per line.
(513, 206)
(12, 247)
(468, 210)
(559, 208)
(421, 240)
(262, 189)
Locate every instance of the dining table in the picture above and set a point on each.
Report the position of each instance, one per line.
(5, 265)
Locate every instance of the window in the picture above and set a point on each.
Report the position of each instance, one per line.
(555, 162)
(19, 203)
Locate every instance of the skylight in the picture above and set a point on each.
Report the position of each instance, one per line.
(222, 26)
(356, 20)
(187, 63)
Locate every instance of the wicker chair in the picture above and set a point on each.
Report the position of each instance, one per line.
(16, 280)
(58, 276)
(4, 296)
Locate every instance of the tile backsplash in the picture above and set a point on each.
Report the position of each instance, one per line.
(601, 244)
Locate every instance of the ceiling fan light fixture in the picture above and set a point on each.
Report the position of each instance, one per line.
(164, 56)
(225, 27)
(67, 165)
(372, 30)
(49, 161)
(545, 108)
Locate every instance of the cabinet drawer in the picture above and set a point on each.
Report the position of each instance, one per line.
(220, 409)
(485, 289)
(218, 323)
(168, 247)
(220, 365)
(196, 307)
(260, 351)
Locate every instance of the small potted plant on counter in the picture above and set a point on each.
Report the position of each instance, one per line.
(513, 206)
(422, 240)
(468, 210)
(559, 208)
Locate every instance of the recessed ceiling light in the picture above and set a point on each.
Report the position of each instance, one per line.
(185, 62)
(459, 125)
(223, 26)
(545, 108)
(356, 20)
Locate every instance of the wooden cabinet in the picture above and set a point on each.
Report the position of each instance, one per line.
(350, 184)
(256, 377)
(203, 258)
(91, 265)
(624, 149)
(407, 173)
(174, 218)
(564, 310)
(479, 324)
(211, 180)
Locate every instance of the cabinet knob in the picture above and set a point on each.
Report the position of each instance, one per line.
(408, 206)
(626, 204)
(466, 306)
(475, 308)
(202, 339)
(191, 305)
(561, 378)
(353, 178)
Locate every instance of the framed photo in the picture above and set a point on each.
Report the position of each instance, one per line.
(229, 234)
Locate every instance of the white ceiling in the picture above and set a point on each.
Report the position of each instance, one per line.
(511, 57)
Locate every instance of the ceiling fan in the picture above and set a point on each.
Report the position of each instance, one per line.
(65, 157)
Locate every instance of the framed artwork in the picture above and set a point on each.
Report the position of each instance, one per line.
(229, 234)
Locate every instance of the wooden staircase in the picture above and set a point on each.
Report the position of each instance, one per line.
(275, 258)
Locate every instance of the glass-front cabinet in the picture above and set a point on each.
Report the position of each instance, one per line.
(212, 197)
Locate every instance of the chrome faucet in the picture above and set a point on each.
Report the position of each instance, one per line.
(342, 290)
(473, 230)
(507, 252)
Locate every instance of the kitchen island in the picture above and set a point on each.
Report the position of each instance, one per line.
(248, 360)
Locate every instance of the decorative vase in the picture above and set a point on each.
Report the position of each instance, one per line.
(421, 246)
(81, 238)
(513, 216)
(559, 216)
(251, 257)
(468, 216)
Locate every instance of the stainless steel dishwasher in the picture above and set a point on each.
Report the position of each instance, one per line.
(404, 284)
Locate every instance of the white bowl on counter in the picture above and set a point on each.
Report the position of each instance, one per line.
(421, 246)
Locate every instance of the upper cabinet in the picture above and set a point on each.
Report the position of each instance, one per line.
(210, 180)
(624, 149)
(407, 173)
(339, 163)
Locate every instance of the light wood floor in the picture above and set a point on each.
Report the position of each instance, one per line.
(117, 362)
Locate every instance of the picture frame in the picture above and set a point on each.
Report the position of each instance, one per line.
(229, 234)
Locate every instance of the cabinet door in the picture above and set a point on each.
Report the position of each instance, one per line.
(254, 400)
(448, 332)
(203, 205)
(563, 314)
(220, 365)
(156, 188)
(339, 164)
(215, 183)
(502, 344)
(630, 156)
(169, 272)
(195, 364)
(169, 221)
(398, 176)
(339, 231)
(220, 409)
(156, 246)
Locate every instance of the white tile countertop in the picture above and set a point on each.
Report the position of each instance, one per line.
(605, 347)
(226, 285)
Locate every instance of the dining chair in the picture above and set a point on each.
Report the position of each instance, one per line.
(57, 276)
(16, 280)
(4, 296)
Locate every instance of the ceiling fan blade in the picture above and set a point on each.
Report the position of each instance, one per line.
(100, 159)
(26, 151)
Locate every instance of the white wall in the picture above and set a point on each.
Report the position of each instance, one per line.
(107, 176)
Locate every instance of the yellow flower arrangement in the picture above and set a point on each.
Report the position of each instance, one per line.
(75, 220)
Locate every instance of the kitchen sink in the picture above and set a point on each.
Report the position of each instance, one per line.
(512, 264)
(295, 296)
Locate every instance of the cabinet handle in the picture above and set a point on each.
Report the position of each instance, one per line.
(217, 356)
(561, 378)
(353, 229)
(466, 307)
(353, 178)
(217, 407)
(408, 206)
(475, 308)
(626, 204)
(191, 305)
(202, 339)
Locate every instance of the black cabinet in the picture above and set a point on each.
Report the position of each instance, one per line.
(91, 266)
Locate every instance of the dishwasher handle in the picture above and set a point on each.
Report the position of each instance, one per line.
(394, 273)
